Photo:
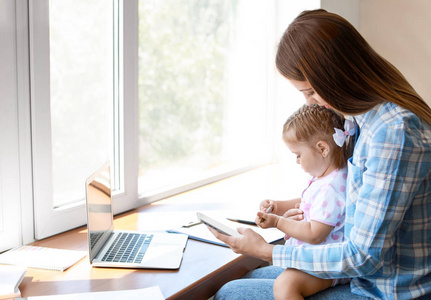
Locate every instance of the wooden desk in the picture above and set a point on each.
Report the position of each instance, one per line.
(204, 269)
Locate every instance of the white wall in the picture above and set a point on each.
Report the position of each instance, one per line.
(399, 30)
(348, 9)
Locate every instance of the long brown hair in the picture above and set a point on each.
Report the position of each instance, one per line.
(328, 52)
(310, 124)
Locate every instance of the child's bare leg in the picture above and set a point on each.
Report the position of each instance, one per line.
(295, 284)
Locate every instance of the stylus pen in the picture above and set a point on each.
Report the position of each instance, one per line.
(191, 224)
(243, 221)
(269, 210)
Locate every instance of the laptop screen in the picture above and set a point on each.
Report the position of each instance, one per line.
(99, 209)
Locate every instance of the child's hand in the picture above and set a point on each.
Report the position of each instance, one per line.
(265, 220)
(265, 204)
(294, 213)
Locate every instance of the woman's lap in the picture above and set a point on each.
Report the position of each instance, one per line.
(258, 284)
(270, 272)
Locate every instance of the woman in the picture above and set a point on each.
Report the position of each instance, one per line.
(387, 251)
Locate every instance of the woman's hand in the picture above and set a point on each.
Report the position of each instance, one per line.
(251, 243)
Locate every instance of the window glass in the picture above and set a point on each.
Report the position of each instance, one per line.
(203, 69)
(81, 83)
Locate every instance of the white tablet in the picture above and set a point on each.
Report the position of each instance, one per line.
(218, 224)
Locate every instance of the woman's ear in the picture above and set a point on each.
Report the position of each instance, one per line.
(323, 148)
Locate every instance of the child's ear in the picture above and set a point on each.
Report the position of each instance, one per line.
(323, 148)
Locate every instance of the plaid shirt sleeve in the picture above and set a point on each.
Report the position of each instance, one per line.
(388, 215)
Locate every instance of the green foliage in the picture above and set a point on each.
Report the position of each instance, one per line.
(183, 56)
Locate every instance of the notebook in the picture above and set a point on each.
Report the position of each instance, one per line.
(198, 231)
(41, 257)
(120, 248)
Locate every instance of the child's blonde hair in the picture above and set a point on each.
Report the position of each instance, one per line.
(310, 124)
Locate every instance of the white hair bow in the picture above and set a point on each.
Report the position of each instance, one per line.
(340, 136)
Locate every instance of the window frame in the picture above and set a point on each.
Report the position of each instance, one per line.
(173, 189)
(49, 221)
(13, 90)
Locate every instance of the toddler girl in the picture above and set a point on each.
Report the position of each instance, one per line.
(322, 141)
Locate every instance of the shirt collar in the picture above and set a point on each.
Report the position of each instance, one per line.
(362, 118)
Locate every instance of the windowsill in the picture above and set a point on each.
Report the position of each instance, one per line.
(205, 267)
(239, 194)
(172, 190)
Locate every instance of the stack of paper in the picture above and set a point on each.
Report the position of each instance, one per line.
(10, 279)
(41, 257)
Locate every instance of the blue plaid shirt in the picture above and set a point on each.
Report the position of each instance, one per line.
(387, 250)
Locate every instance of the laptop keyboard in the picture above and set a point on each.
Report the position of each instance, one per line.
(128, 248)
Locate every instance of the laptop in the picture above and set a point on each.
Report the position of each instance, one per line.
(121, 248)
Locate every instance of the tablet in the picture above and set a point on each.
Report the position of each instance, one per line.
(218, 224)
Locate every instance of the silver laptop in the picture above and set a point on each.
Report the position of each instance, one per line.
(125, 249)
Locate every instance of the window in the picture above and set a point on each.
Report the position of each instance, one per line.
(196, 108)
(175, 93)
(203, 89)
(73, 105)
(81, 93)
